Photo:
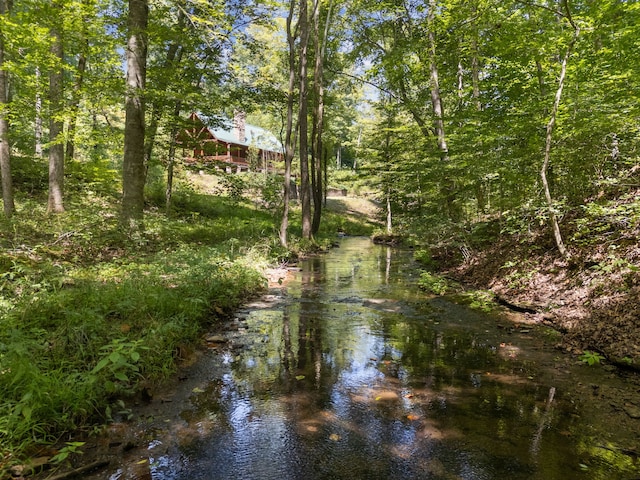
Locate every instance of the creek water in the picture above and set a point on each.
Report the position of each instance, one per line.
(350, 372)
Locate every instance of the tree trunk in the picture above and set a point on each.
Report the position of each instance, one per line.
(70, 152)
(553, 218)
(289, 141)
(133, 171)
(174, 55)
(56, 125)
(389, 224)
(38, 120)
(303, 109)
(172, 155)
(318, 116)
(448, 186)
(475, 67)
(5, 151)
(436, 98)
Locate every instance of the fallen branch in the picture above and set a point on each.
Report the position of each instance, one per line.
(80, 470)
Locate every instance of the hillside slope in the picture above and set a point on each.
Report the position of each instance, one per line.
(594, 297)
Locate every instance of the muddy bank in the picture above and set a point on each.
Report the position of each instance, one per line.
(593, 298)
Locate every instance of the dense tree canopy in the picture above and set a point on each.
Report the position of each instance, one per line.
(444, 105)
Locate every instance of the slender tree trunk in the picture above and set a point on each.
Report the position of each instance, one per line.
(38, 120)
(389, 224)
(549, 136)
(460, 79)
(174, 55)
(325, 165)
(303, 109)
(475, 67)
(480, 187)
(316, 179)
(448, 185)
(56, 125)
(436, 98)
(172, 155)
(475, 74)
(5, 151)
(133, 171)
(318, 115)
(289, 141)
(70, 152)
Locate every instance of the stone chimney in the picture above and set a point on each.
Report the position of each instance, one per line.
(239, 125)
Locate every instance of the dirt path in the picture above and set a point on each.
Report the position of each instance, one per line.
(360, 208)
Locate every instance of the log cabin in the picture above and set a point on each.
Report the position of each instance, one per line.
(233, 145)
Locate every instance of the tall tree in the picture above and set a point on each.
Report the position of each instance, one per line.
(133, 168)
(317, 149)
(303, 112)
(289, 141)
(85, 19)
(173, 56)
(56, 123)
(5, 152)
(549, 131)
(38, 120)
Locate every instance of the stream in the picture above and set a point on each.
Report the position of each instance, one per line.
(348, 371)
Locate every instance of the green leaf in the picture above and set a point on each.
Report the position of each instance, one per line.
(115, 357)
(101, 364)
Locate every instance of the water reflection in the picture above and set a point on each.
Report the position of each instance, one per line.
(356, 376)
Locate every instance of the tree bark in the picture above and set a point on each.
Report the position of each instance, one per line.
(436, 98)
(38, 120)
(133, 171)
(318, 115)
(289, 141)
(172, 154)
(389, 224)
(303, 108)
(553, 217)
(56, 125)
(5, 151)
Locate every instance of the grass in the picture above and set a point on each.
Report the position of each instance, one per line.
(89, 314)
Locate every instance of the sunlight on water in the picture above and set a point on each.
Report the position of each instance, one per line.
(354, 374)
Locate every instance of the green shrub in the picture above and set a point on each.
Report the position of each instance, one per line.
(434, 283)
(423, 256)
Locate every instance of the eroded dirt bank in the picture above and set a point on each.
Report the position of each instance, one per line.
(593, 298)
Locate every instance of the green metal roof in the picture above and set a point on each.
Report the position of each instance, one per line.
(255, 136)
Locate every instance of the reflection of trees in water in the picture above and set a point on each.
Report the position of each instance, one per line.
(384, 382)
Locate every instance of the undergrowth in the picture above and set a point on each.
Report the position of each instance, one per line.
(89, 314)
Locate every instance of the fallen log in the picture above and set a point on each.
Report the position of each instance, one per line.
(521, 308)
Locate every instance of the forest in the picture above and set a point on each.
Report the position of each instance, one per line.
(498, 138)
